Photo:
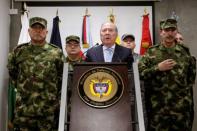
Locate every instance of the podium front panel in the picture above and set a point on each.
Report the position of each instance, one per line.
(105, 113)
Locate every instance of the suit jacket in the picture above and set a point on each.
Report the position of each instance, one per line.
(121, 54)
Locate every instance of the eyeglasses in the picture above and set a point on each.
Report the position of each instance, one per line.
(72, 45)
(179, 39)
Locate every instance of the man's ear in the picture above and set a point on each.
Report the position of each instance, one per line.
(65, 47)
(134, 44)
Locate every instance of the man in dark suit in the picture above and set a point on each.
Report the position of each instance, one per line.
(109, 51)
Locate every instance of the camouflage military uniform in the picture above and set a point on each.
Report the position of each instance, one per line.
(37, 73)
(169, 95)
(70, 82)
(71, 63)
(70, 78)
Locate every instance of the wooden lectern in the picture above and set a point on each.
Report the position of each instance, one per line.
(100, 98)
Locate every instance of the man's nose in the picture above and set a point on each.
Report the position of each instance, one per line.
(106, 32)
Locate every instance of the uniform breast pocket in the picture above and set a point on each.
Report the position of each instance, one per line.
(26, 64)
(46, 67)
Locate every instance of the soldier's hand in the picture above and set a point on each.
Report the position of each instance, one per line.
(166, 65)
(10, 125)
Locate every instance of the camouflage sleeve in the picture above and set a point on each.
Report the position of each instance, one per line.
(192, 71)
(146, 68)
(12, 66)
(59, 66)
(192, 66)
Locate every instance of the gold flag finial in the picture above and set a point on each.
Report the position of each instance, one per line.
(86, 12)
(112, 20)
(111, 16)
(145, 11)
(57, 13)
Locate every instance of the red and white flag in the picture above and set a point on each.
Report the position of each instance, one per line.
(86, 34)
(146, 41)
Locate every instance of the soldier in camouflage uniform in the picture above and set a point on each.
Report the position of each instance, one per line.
(73, 50)
(168, 71)
(35, 69)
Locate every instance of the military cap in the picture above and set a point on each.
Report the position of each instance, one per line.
(73, 37)
(38, 20)
(128, 35)
(161, 24)
(169, 23)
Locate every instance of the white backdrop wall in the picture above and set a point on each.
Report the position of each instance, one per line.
(128, 20)
(4, 38)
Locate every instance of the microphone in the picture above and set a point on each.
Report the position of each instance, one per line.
(90, 48)
(83, 54)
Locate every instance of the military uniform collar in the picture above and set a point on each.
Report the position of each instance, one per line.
(176, 47)
(44, 47)
(69, 60)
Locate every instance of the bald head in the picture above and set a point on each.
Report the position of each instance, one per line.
(108, 34)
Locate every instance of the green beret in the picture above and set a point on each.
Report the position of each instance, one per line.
(73, 38)
(38, 20)
(169, 23)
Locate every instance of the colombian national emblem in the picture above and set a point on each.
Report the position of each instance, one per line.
(100, 87)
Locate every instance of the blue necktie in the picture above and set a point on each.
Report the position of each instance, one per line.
(109, 54)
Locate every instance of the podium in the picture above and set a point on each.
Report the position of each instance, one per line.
(102, 108)
(100, 98)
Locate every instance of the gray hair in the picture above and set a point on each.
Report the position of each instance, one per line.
(116, 29)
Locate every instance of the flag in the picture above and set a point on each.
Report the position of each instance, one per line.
(11, 104)
(55, 35)
(11, 101)
(146, 41)
(82, 56)
(24, 34)
(118, 40)
(86, 34)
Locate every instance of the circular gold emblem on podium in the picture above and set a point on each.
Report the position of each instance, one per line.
(100, 87)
